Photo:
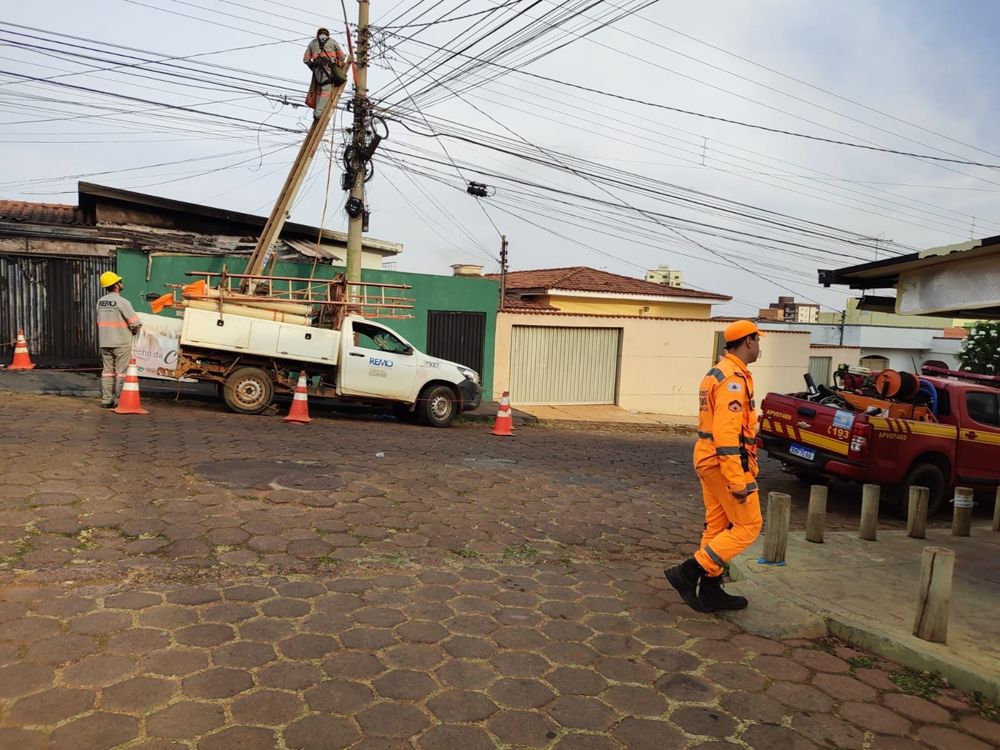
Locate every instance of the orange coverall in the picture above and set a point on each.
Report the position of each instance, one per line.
(725, 459)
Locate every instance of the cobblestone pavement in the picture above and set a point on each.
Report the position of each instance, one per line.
(195, 579)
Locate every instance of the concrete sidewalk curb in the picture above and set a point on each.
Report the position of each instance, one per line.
(790, 602)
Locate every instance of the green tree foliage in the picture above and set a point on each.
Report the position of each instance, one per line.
(980, 351)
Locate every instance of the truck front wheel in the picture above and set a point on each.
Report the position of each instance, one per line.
(437, 406)
(248, 390)
(927, 475)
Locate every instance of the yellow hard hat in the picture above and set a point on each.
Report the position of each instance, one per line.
(109, 278)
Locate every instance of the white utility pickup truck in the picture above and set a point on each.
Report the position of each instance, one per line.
(361, 361)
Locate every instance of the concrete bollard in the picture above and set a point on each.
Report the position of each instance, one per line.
(816, 518)
(961, 520)
(936, 567)
(779, 512)
(869, 512)
(916, 517)
(996, 512)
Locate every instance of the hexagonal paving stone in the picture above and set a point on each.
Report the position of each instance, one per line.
(220, 682)
(239, 738)
(633, 700)
(339, 697)
(95, 671)
(451, 737)
(704, 721)
(205, 634)
(765, 737)
(459, 673)
(270, 707)
(98, 731)
(100, 622)
(392, 719)
(290, 675)
(23, 739)
(417, 656)
(244, 654)
(308, 646)
(61, 649)
(685, 687)
(175, 662)
(185, 720)
(525, 728)
(461, 706)
(367, 639)
(575, 681)
(649, 734)
(421, 631)
(581, 712)
(23, 679)
(137, 641)
(404, 684)
(520, 664)
(352, 664)
(318, 732)
(138, 695)
(51, 706)
(520, 693)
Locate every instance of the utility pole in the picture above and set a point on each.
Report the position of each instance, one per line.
(356, 203)
(503, 270)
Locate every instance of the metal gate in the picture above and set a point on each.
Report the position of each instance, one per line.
(54, 299)
(819, 368)
(457, 337)
(564, 365)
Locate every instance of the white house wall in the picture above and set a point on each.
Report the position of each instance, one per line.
(662, 361)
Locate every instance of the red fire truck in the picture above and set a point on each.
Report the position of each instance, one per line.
(895, 429)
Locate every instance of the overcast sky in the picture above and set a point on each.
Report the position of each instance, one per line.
(897, 74)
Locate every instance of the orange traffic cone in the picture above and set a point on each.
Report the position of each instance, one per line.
(504, 425)
(128, 400)
(22, 360)
(299, 413)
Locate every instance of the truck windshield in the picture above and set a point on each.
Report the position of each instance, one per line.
(378, 339)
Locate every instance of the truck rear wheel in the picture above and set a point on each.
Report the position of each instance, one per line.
(248, 390)
(925, 474)
(437, 406)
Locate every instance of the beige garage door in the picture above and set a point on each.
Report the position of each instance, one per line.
(564, 365)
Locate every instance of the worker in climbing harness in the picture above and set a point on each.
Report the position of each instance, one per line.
(326, 61)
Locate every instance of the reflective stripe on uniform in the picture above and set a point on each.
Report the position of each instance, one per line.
(752, 487)
(112, 324)
(748, 440)
(727, 450)
(716, 373)
(715, 558)
(705, 435)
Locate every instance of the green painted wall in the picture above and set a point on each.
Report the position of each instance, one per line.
(149, 274)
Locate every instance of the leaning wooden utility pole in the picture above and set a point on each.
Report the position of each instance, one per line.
(356, 203)
(300, 168)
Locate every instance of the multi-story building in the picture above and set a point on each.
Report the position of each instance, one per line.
(666, 276)
(787, 310)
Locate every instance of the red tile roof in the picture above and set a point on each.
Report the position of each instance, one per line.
(583, 279)
(41, 213)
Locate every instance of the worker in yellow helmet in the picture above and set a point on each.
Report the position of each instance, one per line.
(117, 323)
(725, 459)
(326, 61)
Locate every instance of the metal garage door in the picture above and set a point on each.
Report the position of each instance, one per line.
(564, 365)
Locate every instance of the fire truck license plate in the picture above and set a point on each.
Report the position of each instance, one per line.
(797, 450)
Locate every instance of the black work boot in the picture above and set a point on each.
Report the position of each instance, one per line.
(713, 598)
(684, 578)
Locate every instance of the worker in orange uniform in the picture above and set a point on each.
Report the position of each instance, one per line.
(117, 323)
(725, 459)
(326, 61)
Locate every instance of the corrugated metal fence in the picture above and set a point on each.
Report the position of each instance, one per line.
(564, 365)
(54, 299)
